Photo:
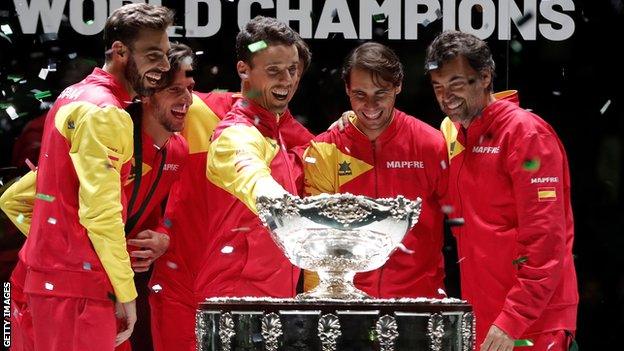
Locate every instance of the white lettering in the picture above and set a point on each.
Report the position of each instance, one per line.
(193, 29)
(544, 180)
(70, 93)
(508, 11)
(448, 20)
(171, 167)
(77, 20)
(301, 15)
(390, 8)
(488, 11)
(244, 10)
(50, 14)
(340, 10)
(565, 21)
(405, 164)
(486, 149)
(413, 18)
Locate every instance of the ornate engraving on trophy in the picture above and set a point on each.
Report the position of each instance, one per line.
(468, 324)
(435, 331)
(271, 331)
(387, 332)
(329, 331)
(200, 329)
(226, 331)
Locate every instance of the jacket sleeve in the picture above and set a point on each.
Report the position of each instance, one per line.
(318, 169)
(239, 162)
(438, 167)
(541, 229)
(18, 201)
(100, 145)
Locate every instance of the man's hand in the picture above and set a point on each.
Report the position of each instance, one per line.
(343, 121)
(497, 340)
(153, 245)
(126, 313)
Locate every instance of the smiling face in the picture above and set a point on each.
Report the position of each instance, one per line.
(461, 91)
(170, 105)
(372, 100)
(272, 77)
(147, 61)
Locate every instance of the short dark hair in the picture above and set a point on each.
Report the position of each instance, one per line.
(178, 55)
(125, 23)
(266, 29)
(305, 55)
(451, 44)
(376, 58)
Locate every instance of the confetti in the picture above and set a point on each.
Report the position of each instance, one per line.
(241, 229)
(42, 94)
(461, 259)
(379, 18)
(52, 220)
(172, 265)
(523, 342)
(6, 29)
(556, 93)
(30, 165)
(256, 120)
(156, 288)
(520, 260)
(524, 19)
(12, 113)
(20, 218)
(455, 222)
(310, 160)
(516, 46)
(214, 70)
(531, 165)
(441, 291)
(15, 78)
(605, 107)
(6, 37)
(89, 22)
(257, 46)
(197, 53)
(405, 249)
(72, 55)
(44, 197)
(167, 223)
(443, 164)
(447, 209)
(86, 266)
(49, 286)
(227, 249)
(43, 74)
(430, 66)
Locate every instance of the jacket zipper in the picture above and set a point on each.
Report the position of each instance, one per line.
(464, 133)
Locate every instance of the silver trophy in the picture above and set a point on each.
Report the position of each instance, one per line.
(337, 236)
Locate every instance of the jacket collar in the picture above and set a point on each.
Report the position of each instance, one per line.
(504, 100)
(108, 80)
(265, 121)
(387, 134)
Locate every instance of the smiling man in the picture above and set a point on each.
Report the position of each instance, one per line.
(511, 185)
(78, 270)
(384, 152)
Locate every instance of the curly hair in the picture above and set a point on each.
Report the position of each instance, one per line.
(379, 59)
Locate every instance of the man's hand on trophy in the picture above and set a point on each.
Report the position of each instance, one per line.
(152, 245)
(342, 122)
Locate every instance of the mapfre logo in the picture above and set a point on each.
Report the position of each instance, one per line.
(486, 149)
(405, 164)
(171, 167)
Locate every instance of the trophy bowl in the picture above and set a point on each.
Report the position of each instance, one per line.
(337, 236)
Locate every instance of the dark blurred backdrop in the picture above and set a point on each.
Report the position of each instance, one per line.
(577, 85)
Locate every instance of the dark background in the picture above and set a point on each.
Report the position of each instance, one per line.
(567, 83)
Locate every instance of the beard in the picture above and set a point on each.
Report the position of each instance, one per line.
(131, 73)
(168, 124)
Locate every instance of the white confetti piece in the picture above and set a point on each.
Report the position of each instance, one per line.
(556, 93)
(72, 55)
(227, 249)
(6, 29)
(443, 164)
(20, 218)
(405, 249)
(43, 74)
(12, 113)
(461, 259)
(605, 107)
(156, 288)
(447, 209)
(441, 291)
(172, 265)
(49, 286)
(199, 53)
(310, 160)
(86, 266)
(52, 220)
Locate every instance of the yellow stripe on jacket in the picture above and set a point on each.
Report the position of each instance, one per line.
(18, 200)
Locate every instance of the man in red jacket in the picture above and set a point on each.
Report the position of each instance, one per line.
(384, 152)
(88, 133)
(510, 183)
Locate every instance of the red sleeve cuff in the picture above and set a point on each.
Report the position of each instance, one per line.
(511, 324)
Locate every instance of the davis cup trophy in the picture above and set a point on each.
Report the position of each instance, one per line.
(338, 235)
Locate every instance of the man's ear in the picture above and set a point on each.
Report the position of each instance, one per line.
(398, 89)
(486, 78)
(243, 70)
(119, 51)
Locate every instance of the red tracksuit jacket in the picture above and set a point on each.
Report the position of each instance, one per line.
(409, 158)
(510, 182)
(248, 147)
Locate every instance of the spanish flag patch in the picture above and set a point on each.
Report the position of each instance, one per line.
(546, 194)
